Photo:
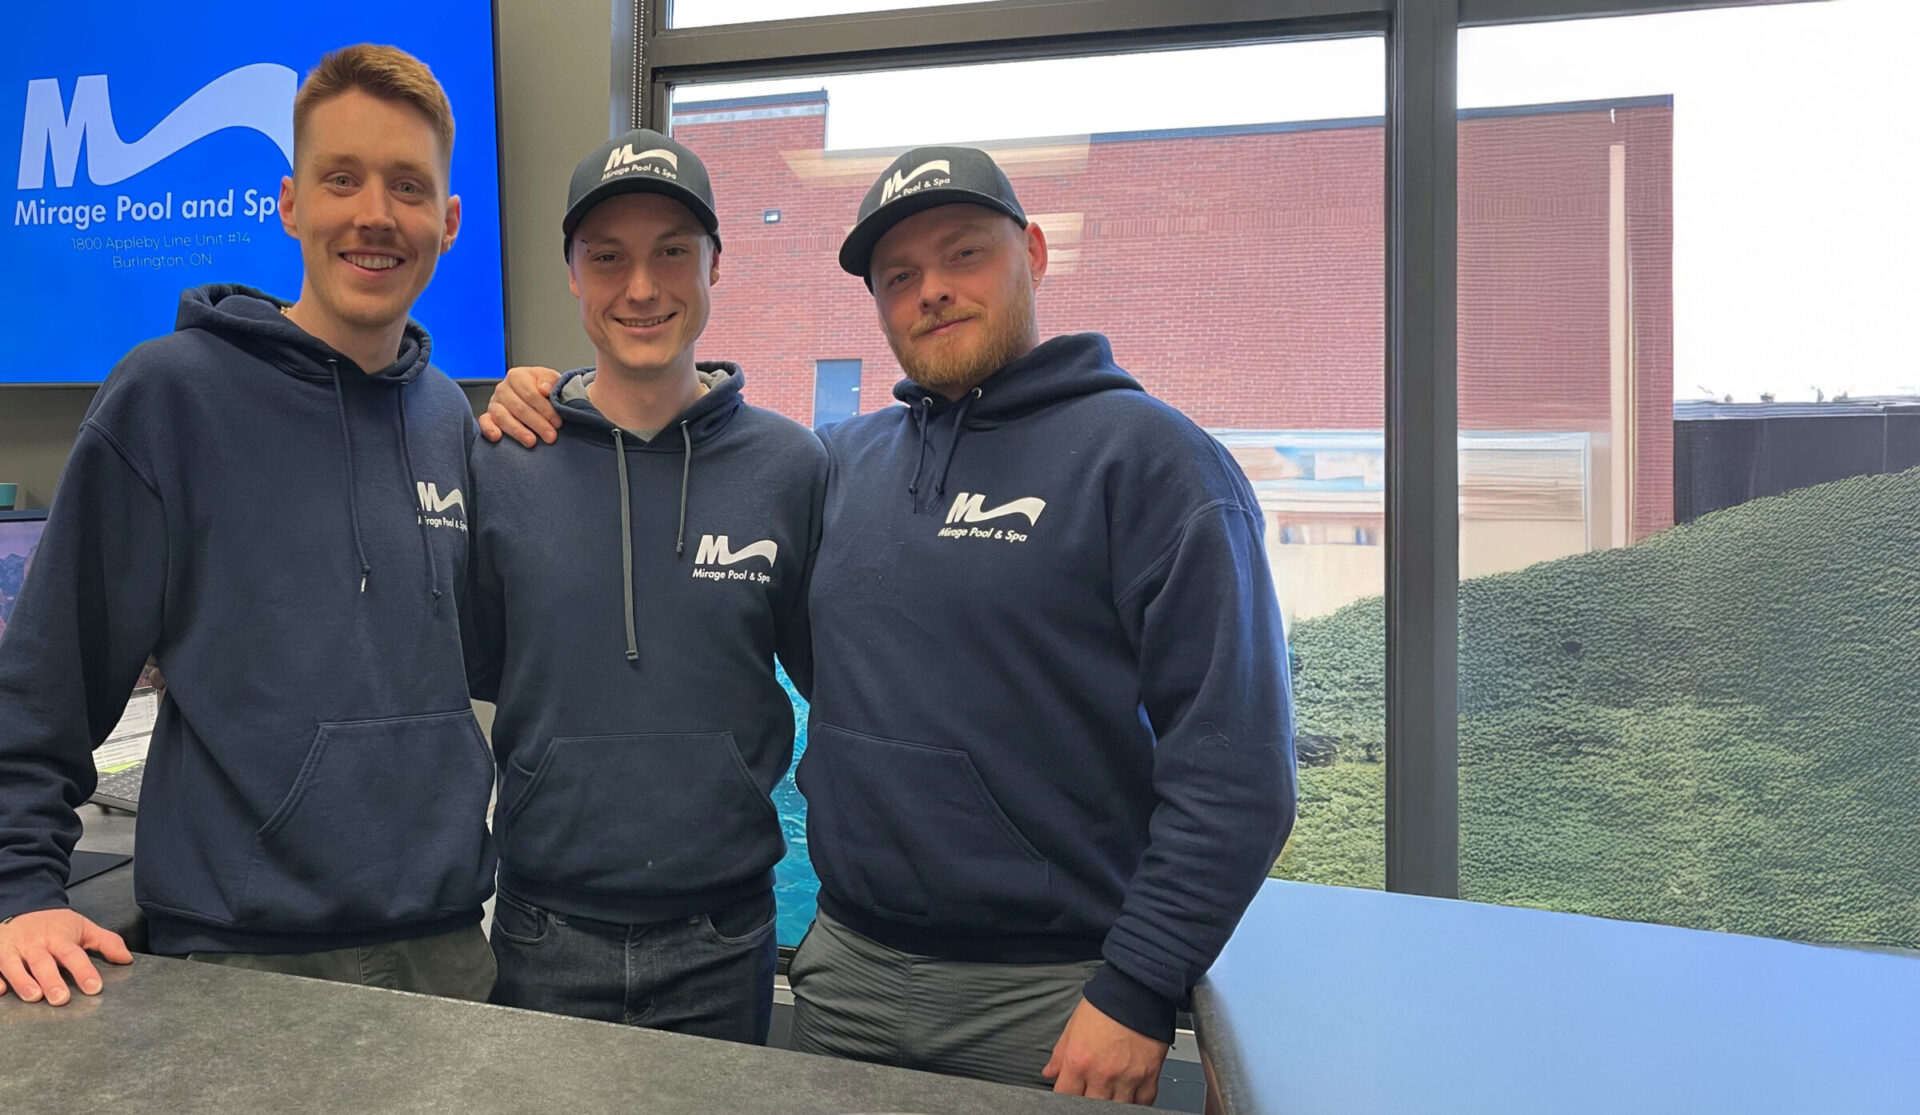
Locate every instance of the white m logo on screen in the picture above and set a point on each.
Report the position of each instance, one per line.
(714, 551)
(432, 502)
(259, 97)
(900, 181)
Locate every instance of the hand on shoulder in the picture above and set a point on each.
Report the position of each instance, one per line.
(521, 408)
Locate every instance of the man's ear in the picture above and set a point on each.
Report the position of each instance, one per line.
(1036, 251)
(286, 207)
(452, 230)
(713, 267)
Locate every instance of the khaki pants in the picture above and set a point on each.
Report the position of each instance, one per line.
(457, 965)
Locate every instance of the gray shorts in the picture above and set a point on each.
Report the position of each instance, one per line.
(858, 999)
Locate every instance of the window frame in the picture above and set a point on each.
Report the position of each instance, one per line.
(1422, 391)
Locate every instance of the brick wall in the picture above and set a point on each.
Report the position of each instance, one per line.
(1240, 273)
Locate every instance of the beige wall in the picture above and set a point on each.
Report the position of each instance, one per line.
(1315, 580)
(1500, 547)
(555, 82)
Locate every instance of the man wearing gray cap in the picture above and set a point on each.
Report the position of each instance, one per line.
(631, 587)
(1050, 749)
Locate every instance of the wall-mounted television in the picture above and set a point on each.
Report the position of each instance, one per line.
(153, 138)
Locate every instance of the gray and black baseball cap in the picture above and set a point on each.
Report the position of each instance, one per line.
(641, 161)
(922, 179)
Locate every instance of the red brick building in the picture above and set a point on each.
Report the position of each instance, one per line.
(1240, 273)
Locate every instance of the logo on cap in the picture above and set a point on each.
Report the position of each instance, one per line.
(897, 185)
(622, 158)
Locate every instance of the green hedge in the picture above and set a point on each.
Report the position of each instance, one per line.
(1718, 727)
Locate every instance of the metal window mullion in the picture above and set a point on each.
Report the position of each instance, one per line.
(1422, 437)
(1004, 30)
(632, 33)
(1478, 13)
(659, 105)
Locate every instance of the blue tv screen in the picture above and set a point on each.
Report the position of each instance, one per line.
(153, 141)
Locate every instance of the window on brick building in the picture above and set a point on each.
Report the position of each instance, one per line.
(1689, 431)
(836, 391)
(1229, 241)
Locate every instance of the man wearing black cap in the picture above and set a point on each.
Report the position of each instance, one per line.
(1050, 749)
(1048, 770)
(632, 586)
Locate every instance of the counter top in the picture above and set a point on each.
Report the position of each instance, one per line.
(1330, 999)
(174, 1035)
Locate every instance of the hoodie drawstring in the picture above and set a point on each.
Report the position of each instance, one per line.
(626, 541)
(686, 471)
(959, 424)
(406, 454)
(920, 413)
(353, 499)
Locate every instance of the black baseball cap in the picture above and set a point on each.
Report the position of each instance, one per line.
(922, 179)
(640, 162)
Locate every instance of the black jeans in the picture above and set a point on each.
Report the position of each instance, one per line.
(710, 975)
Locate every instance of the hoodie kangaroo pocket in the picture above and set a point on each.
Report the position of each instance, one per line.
(385, 824)
(639, 814)
(910, 832)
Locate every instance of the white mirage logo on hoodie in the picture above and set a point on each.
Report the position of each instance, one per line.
(715, 550)
(970, 507)
(434, 506)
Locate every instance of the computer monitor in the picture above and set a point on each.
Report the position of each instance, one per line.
(152, 141)
(19, 538)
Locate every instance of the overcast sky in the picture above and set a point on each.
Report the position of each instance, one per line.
(1796, 152)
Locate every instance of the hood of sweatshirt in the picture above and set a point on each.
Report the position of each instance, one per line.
(705, 417)
(1066, 367)
(701, 421)
(256, 322)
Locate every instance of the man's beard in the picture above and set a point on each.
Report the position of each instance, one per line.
(952, 369)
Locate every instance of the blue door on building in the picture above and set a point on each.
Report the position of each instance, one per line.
(836, 391)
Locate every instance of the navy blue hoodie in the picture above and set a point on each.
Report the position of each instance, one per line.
(284, 532)
(629, 599)
(1051, 713)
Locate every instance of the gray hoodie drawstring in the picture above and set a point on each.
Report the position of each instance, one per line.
(353, 499)
(420, 519)
(686, 470)
(626, 540)
(959, 424)
(920, 419)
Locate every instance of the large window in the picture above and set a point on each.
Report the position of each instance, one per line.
(1690, 512)
(1229, 242)
(707, 13)
(1660, 265)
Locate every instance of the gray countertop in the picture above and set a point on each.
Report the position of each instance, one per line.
(1330, 999)
(174, 1035)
